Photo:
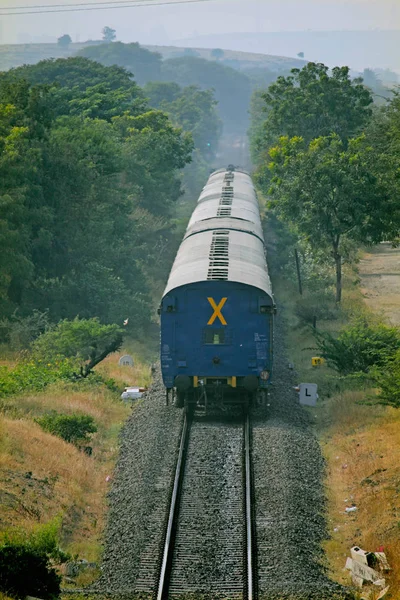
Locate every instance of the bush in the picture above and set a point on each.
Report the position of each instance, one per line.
(71, 428)
(80, 338)
(388, 379)
(359, 347)
(27, 572)
(320, 305)
(25, 567)
(34, 375)
(19, 332)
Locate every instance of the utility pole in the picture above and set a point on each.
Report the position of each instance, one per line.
(296, 254)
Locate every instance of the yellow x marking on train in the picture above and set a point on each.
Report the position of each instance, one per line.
(217, 311)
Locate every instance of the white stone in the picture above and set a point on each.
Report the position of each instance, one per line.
(126, 361)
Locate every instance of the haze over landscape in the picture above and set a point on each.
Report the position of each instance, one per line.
(362, 33)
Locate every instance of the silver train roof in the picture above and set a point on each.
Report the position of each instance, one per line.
(224, 239)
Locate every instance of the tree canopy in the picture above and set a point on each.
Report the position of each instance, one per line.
(64, 41)
(329, 194)
(232, 89)
(192, 109)
(328, 160)
(89, 175)
(79, 86)
(312, 102)
(109, 34)
(145, 65)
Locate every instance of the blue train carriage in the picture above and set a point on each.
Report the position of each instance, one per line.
(217, 309)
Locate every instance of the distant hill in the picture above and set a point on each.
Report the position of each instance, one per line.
(244, 60)
(357, 49)
(16, 55)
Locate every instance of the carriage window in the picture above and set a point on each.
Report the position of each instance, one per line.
(214, 336)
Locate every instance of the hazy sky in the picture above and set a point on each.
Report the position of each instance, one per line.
(165, 24)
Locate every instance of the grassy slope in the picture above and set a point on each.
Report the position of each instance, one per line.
(361, 442)
(18, 54)
(42, 477)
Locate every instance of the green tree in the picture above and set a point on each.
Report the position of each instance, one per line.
(24, 220)
(26, 571)
(153, 151)
(80, 338)
(159, 92)
(217, 53)
(145, 65)
(232, 89)
(81, 87)
(329, 195)
(85, 201)
(311, 103)
(192, 109)
(190, 52)
(258, 114)
(383, 134)
(64, 41)
(87, 340)
(195, 111)
(109, 34)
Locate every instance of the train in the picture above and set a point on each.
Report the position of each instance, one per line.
(217, 310)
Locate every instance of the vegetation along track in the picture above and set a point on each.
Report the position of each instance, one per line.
(209, 542)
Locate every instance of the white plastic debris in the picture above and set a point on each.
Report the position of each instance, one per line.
(368, 568)
(350, 509)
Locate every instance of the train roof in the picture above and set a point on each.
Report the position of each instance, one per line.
(242, 260)
(224, 239)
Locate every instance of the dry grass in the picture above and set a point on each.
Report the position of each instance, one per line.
(360, 441)
(41, 476)
(143, 354)
(380, 280)
(362, 449)
(103, 406)
(139, 374)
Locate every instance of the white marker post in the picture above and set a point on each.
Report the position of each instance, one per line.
(308, 394)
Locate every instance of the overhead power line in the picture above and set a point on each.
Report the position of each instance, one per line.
(94, 6)
(67, 5)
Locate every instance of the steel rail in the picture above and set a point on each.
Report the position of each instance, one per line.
(173, 512)
(248, 512)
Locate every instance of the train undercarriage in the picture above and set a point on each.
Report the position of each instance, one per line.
(217, 394)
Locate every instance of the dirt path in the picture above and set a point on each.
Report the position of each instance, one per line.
(380, 281)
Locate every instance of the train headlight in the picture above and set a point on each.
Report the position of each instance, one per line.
(264, 375)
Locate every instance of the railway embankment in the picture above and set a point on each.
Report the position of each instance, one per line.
(138, 500)
(359, 436)
(289, 509)
(289, 494)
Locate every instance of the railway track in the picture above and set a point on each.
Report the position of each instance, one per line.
(209, 541)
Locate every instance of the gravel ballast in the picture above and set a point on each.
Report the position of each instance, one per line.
(290, 508)
(140, 495)
(289, 503)
(209, 546)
